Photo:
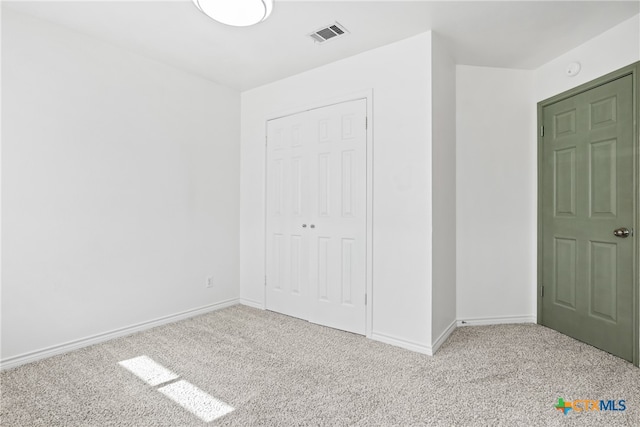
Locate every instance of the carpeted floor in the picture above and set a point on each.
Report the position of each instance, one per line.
(276, 370)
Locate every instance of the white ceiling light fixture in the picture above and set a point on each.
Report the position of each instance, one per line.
(237, 13)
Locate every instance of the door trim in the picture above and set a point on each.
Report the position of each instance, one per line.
(367, 95)
(632, 70)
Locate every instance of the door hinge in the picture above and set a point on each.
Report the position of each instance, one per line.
(366, 122)
(365, 299)
(265, 280)
(541, 291)
(541, 130)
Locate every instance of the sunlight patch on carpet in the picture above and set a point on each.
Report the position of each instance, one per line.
(196, 401)
(185, 394)
(148, 370)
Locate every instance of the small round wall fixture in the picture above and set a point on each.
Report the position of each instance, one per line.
(237, 13)
(573, 69)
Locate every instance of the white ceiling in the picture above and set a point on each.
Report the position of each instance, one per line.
(511, 34)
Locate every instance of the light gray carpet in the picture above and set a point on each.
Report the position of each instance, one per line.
(276, 370)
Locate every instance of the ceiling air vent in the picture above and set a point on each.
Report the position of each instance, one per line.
(329, 32)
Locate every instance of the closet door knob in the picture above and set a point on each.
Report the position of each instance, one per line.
(304, 225)
(313, 226)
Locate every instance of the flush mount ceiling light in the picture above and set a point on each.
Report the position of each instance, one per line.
(238, 13)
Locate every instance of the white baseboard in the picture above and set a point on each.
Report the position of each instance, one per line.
(443, 336)
(252, 303)
(400, 342)
(499, 320)
(14, 361)
(414, 346)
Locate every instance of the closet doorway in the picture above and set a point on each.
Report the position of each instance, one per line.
(316, 215)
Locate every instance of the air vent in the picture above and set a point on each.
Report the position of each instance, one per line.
(330, 32)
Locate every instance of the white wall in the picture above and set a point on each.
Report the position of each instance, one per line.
(613, 49)
(444, 189)
(496, 195)
(399, 75)
(120, 188)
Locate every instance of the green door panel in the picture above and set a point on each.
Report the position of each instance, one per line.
(587, 176)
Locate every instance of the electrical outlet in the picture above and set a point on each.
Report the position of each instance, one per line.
(210, 282)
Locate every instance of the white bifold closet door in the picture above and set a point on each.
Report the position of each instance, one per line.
(316, 215)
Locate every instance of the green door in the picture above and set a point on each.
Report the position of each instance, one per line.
(586, 195)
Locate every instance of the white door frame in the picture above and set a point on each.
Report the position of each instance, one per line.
(368, 96)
